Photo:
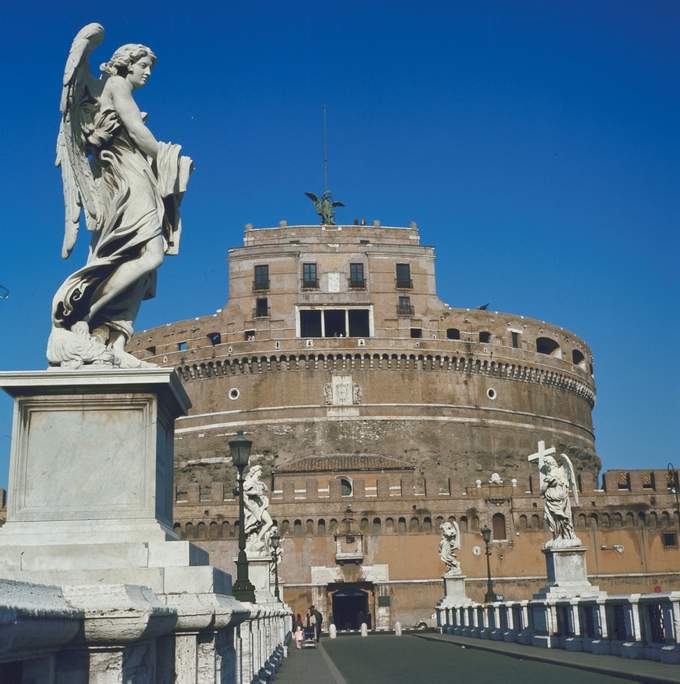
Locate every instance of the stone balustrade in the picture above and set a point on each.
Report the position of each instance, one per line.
(633, 626)
(120, 633)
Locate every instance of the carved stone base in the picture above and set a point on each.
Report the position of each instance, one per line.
(259, 573)
(567, 575)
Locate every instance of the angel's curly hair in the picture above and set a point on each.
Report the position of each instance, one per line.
(124, 57)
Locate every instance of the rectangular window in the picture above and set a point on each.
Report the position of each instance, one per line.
(310, 323)
(182, 346)
(334, 323)
(670, 539)
(404, 307)
(515, 339)
(356, 275)
(261, 277)
(309, 276)
(249, 335)
(261, 307)
(416, 333)
(358, 323)
(215, 338)
(404, 275)
(151, 350)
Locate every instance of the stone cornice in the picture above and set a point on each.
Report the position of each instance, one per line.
(468, 364)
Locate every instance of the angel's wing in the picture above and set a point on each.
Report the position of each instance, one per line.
(79, 101)
(312, 197)
(571, 476)
(337, 203)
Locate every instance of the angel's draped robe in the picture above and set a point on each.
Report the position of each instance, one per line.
(138, 201)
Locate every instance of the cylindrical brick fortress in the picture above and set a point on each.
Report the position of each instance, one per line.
(334, 342)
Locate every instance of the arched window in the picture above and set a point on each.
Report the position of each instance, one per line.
(189, 530)
(389, 525)
(297, 528)
(332, 526)
(665, 519)
(535, 522)
(617, 520)
(606, 520)
(402, 525)
(226, 530)
(285, 526)
(498, 526)
(214, 531)
(630, 519)
(548, 346)
(653, 520)
(177, 527)
(427, 524)
(201, 531)
(463, 523)
(309, 527)
(485, 337)
(578, 359)
(474, 524)
(438, 521)
(582, 520)
(363, 525)
(593, 520)
(377, 526)
(345, 487)
(414, 525)
(452, 334)
(523, 522)
(321, 527)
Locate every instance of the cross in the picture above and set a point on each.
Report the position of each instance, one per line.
(541, 453)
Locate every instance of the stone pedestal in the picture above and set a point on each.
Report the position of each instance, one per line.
(567, 575)
(259, 573)
(454, 590)
(91, 482)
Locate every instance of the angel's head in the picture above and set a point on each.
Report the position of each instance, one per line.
(133, 62)
(550, 462)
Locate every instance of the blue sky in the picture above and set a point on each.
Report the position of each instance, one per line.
(536, 144)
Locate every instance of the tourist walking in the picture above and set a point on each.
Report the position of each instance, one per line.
(318, 620)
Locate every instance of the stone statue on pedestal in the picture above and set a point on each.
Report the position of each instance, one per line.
(258, 521)
(558, 484)
(129, 187)
(448, 545)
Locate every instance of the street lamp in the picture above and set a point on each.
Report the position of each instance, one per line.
(490, 596)
(674, 486)
(243, 590)
(275, 540)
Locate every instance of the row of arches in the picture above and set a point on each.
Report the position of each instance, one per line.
(428, 524)
(384, 361)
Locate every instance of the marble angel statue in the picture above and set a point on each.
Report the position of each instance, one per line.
(128, 186)
(448, 545)
(258, 523)
(557, 485)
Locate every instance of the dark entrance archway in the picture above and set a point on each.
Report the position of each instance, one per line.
(350, 607)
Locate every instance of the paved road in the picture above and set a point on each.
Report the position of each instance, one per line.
(410, 660)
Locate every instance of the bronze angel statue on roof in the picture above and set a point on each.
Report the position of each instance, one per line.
(325, 207)
(128, 186)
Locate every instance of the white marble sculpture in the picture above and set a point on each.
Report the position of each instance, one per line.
(129, 187)
(448, 545)
(258, 521)
(558, 484)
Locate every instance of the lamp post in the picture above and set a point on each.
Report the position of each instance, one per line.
(674, 486)
(243, 590)
(275, 540)
(490, 596)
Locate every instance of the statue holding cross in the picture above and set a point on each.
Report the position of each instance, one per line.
(557, 482)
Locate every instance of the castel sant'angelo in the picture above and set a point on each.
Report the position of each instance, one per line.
(379, 412)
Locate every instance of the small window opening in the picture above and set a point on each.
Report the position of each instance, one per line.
(345, 487)
(416, 333)
(404, 276)
(452, 334)
(182, 346)
(249, 335)
(358, 323)
(578, 358)
(356, 276)
(310, 323)
(261, 307)
(215, 338)
(498, 526)
(261, 281)
(515, 339)
(485, 337)
(334, 323)
(309, 275)
(545, 345)
(404, 307)
(151, 350)
(670, 540)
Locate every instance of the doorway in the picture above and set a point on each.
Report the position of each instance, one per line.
(350, 608)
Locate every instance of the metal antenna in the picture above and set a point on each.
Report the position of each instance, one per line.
(325, 149)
